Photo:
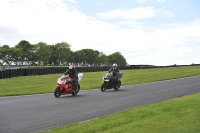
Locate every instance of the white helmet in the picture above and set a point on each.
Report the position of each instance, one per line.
(71, 67)
(114, 66)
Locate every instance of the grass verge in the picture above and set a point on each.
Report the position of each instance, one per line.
(179, 115)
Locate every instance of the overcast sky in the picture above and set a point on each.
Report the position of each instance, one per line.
(154, 32)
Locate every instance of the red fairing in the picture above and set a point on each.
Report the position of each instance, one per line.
(67, 87)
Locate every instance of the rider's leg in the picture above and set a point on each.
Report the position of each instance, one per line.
(75, 84)
(116, 80)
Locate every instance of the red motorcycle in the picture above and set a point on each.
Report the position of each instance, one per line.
(65, 86)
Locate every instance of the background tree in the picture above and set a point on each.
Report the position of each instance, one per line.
(57, 54)
(9, 55)
(103, 59)
(26, 51)
(42, 53)
(91, 56)
(53, 57)
(71, 58)
(14, 55)
(63, 52)
(118, 58)
(79, 57)
(5, 54)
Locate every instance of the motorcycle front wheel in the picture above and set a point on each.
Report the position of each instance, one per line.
(103, 87)
(57, 92)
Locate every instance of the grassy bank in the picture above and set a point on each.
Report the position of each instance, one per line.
(91, 80)
(179, 115)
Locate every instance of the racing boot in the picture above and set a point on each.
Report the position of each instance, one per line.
(73, 89)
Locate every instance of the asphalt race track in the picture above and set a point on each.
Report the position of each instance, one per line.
(32, 113)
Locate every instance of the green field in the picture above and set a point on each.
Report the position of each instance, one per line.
(91, 80)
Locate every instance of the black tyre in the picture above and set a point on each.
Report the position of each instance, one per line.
(118, 86)
(103, 87)
(76, 91)
(57, 92)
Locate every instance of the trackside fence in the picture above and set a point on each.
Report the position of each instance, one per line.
(9, 73)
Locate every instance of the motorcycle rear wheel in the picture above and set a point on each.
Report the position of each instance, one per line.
(118, 86)
(76, 91)
(57, 92)
(103, 87)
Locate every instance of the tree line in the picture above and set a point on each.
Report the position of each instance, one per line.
(42, 54)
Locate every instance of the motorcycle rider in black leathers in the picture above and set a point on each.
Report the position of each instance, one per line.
(115, 70)
(73, 73)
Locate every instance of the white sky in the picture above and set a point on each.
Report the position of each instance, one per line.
(154, 32)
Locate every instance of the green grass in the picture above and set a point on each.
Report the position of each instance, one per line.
(91, 80)
(179, 115)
